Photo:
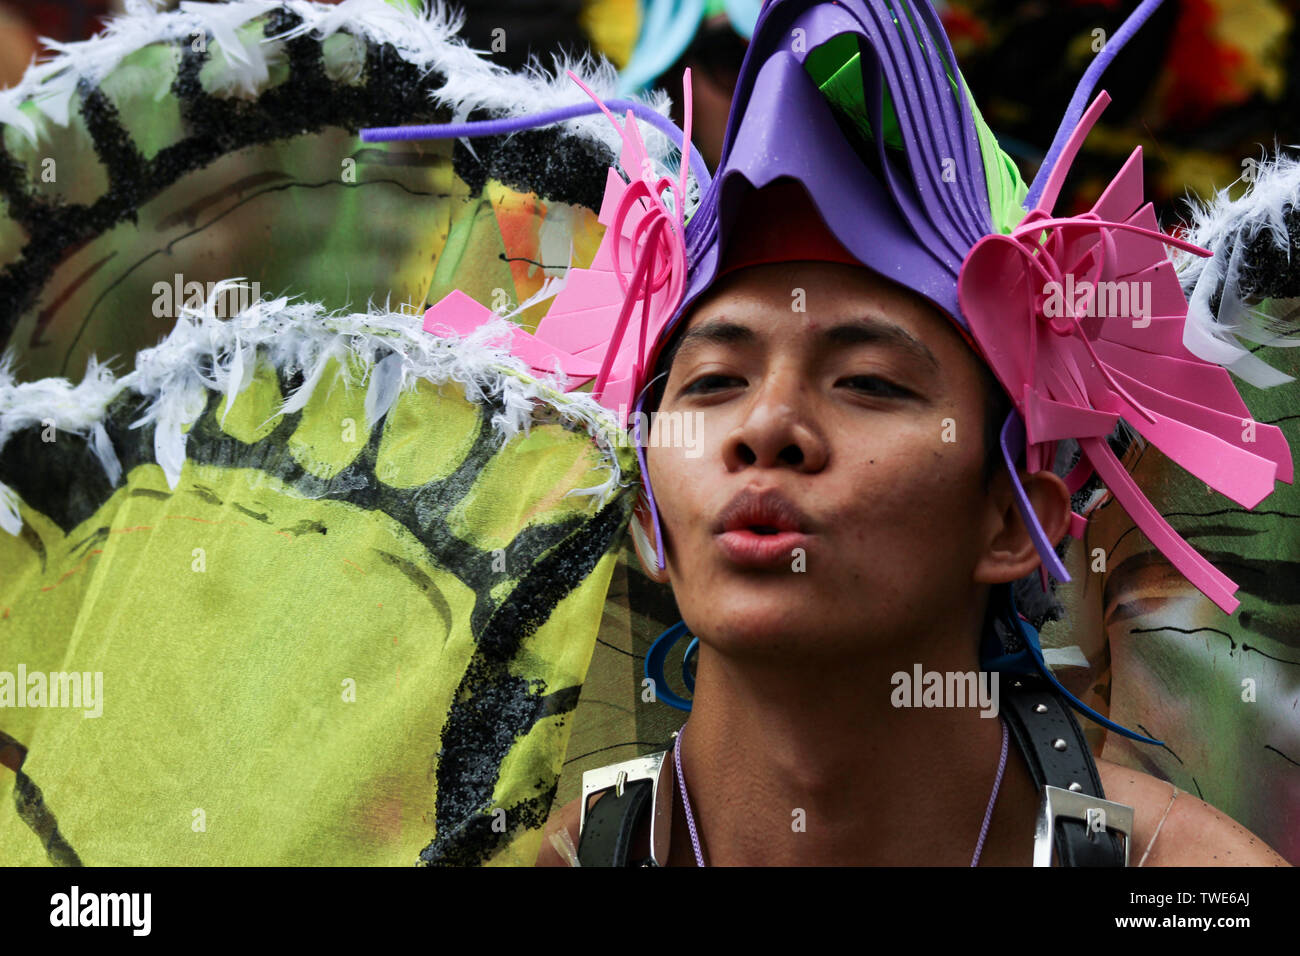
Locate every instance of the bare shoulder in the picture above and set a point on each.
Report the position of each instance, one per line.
(1186, 831)
(562, 818)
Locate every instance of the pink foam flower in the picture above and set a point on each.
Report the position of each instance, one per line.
(1082, 320)
(639, 269)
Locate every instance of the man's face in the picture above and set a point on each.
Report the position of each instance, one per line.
(859, 405)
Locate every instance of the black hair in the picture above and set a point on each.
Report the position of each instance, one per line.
(997, 406)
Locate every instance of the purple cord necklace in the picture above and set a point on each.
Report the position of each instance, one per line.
(695, 835)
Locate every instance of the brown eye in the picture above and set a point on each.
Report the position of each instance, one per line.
(711, 383)
(872, 385)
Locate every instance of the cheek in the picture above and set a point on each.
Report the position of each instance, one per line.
(907, 520)
(895, 486)
(919, 475)
(675, 480)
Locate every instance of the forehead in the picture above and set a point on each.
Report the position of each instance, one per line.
(787, 300)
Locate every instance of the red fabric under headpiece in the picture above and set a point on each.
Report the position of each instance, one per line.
(779, 224)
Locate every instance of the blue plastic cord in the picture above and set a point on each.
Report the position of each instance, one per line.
(654, 666)
(1031, 660)
(1027, 661)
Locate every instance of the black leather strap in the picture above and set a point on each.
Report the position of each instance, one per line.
(1057, 754)
(612, 821)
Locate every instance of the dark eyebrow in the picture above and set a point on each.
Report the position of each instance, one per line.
(718, 331)
(870, 330)
(866, 330)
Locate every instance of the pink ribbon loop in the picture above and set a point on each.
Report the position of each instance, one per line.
(641, 261)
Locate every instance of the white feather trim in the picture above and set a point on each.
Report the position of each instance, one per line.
(1226, 228)
(207, 353)
(427, 40)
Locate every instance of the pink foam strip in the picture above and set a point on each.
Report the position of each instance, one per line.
(614, 187)
(1209, 444)
(1210, 384)
(1134, 250)
(1124, 194)
(1167, 296)
(1163, 336)
(1048, 420)
(1052, 188)
(1208, 579)
(456, 312)
(1079, 474)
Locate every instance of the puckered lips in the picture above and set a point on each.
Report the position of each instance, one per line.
(760, 528)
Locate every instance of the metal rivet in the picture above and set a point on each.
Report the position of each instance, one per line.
(618, 783)
(1040, 708)
(1059, 744)
(1076, 786)
(1016, 683)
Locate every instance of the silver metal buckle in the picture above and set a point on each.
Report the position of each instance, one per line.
(654, 768)
(1096, 813)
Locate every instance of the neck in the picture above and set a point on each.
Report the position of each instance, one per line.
(801, 763)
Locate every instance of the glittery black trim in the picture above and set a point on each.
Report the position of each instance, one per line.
(492, 707)
(1270, 270)
(29, 803)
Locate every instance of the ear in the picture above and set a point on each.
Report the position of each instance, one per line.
(1010, 553)
(643, 540)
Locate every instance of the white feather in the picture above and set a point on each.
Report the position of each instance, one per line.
(298, 399)
(1227, 227)
(10, 518)
(175, 411)
(239, 376)
(102, 445)
(54, 97)
(11, 115)
(551, 287)
(385, 385)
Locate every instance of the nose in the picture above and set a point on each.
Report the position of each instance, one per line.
(777, 429)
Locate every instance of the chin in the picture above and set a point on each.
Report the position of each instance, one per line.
(763, 624)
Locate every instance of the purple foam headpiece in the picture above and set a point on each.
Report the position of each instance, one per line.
(861, 103)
